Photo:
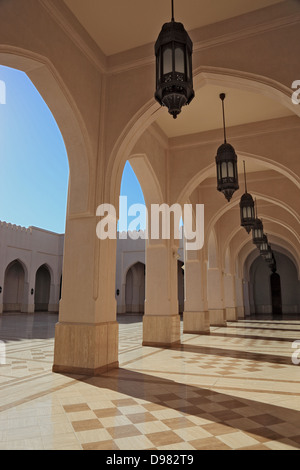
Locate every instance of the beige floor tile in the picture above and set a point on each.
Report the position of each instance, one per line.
(236, 440)
(162, 399)
(133, 443)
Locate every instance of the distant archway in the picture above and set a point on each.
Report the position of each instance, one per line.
(276, 294)
(42, 289)
(14, 287)
(135, 288)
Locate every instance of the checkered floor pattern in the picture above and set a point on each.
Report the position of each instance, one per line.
(234, 389)
(202, 420)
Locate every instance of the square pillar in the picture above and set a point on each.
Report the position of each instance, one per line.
(230, 300)
(195, 316)
(86, 336)
(215, 293)
(161, 322)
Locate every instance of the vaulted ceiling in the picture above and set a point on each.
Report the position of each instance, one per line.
(118, 25)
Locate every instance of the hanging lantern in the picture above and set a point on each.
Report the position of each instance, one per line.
(273, 265)
(257, 230)
(174, 81)
(269, 257)
(265, 247)
(247, 208)
(226, 161)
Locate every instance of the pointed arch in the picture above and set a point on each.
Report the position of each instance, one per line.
(56, 95)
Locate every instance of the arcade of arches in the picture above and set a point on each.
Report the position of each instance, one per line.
(99, 88)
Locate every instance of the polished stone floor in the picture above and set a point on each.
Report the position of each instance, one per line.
(234, 389)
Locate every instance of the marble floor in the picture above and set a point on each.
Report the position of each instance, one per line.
(236, 388)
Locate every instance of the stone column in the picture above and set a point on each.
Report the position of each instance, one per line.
(161, 322)
(230, 298)
(240, 297)
(54, 298)
(86, 337)
(247, 309)
(215, 296)
(195, 316)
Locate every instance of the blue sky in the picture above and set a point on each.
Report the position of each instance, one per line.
(34, 168)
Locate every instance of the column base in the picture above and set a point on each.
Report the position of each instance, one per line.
(241, 312)
(217, 317)
(161, 331)
(86, 349)
(196, 323)
(231, 314)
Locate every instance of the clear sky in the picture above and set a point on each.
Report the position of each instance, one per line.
(34, 168)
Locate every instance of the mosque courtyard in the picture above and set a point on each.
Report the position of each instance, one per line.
(236, 388)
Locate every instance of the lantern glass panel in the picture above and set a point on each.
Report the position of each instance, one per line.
(224, 170)
(167, 60)
(188, 66)
(219, 172)
(179, 59)
(158, 69)
(230, 170)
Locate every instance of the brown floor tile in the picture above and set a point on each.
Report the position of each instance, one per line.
(266, 419)
(76, 408)
(233, 404)
(209, 444)
(256, 447)
(178, 423)
(154, 406)
(217, 428)
(104, 445)
(226, 415)
(141, 417)
(86, 425)
(263, 434)
(164, 438)
(127, 430)
(124, 402)
(167, 397)
(107, 412)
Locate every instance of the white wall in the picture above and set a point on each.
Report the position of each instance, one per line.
(32, 247)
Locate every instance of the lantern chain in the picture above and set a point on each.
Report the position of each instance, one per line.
(222, 96)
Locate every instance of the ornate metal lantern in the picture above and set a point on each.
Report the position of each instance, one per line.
(226, 161)
(265, 247)
(174, 80)
(257, 231)
(273, 265)
(269, 257)
(247, 208)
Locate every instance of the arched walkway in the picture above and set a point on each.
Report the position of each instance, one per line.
(135, 289)
(42, 289)
(268, 295)
(14, 287)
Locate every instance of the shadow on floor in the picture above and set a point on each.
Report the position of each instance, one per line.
(261, 421)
